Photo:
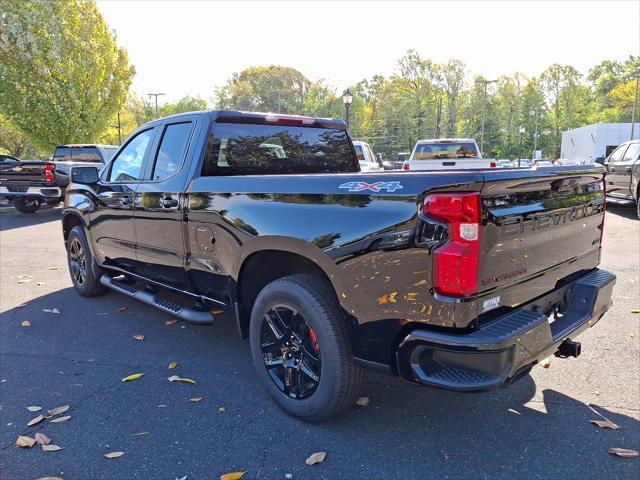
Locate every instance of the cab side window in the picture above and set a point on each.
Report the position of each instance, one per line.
(632, 152)
(128, 164)
(616, 156)
(172, 149)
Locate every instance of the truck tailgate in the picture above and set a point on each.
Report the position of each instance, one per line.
(541, 227)
(23, 172)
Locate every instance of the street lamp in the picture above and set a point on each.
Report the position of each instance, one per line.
(484, 112)
(347, 98)
(155, 95)
(521, 130)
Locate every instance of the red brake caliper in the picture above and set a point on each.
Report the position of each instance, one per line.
(314, 340)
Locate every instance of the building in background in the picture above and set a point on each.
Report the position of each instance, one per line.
(585, 144)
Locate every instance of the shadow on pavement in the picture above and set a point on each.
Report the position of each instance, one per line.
(626, 212)
(10, 218)
(80, 355)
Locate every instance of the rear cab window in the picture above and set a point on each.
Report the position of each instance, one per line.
(257, 149)
(77, 154)
(445, 151)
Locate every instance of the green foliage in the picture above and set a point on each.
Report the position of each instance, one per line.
(63, 75)
(14, 142)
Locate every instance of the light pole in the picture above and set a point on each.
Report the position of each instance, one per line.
(635, 107)
(521, 130)
(347, 98)
(484, 112)
(155, 95)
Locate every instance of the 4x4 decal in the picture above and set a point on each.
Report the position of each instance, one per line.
(372, 187)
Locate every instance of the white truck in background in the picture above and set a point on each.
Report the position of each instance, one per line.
(366, 158)
(446, 154)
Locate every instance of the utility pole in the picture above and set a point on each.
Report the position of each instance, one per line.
(535, 136)
(156, 95)
(635, 107)
(118, 126)
(439, 118)
(484, 112)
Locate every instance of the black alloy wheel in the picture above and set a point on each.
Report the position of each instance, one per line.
(77, 262)
(290, 351)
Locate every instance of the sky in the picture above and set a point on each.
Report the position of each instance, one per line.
(191, 47)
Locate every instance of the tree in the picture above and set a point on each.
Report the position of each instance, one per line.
(62, 74)
(14, 142)
(452, 79)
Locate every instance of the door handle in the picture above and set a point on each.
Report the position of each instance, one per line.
(168, 202)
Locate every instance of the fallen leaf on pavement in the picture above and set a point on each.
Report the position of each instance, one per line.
(362, 401)
(25, 442)
(40, 284)
(139, 433)
(54, 268)
(314, 458)
(172, 365)
(170, 322)
(33, 421)
(42, 439)
(114, 454)
(139, 337)
(58, 410)
(60, 419)
(546, 363)
(26, 323)
(132, 377)
(24, 280)
(34, 408)
(635, 311)
(51, 448)
(232, 476)
(176, 378)
(217, 312)
(411, 296)
(120, 309)
(605, 424)
(623, 452)
(196, 399)
(222, 409)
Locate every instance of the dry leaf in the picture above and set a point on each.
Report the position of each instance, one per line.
(635, 311)
(139, 433)
(58, 410)
(139, 337)
(33, 421)
(25, 442)
(605, 424)
(42, 439)
(392, 297)
(172, 365)
(24, 280)
(362, 401)
(314, 458)
(114, 454)
(26, 323)
(196, 399)
(51, 448)
(132, 377)
(217, 312)
(170, 322)
(34, 408)
(623, 452)
(411, 296)
(60, 419)
(40, 284)
(546, 363)
(383, 299)
(232, 476)
(176, 378)
(120, 309)
(222, 409)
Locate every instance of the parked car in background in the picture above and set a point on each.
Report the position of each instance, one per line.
(329, 270)
(505, 163)
(32, 183)
(366, 158)
(543, 163)
(447, 154)
(400, 159)
(8, 159)
(623, 174)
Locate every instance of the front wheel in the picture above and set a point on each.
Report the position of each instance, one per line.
(300, 348)
(26, 204)
(81, 264)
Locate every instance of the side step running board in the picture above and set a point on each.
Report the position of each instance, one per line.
(191, 315)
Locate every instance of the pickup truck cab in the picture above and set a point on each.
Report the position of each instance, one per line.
(457, 279)
(623, 175)
(366, 158)
(447, 154)
(29, 184)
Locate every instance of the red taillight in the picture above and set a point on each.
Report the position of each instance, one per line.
(405, 166)
(455, 264)
(493, 164)
(48, 173)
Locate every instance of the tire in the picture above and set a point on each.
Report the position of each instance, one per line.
(85, 274)
(339, 380)
(26, 204)
(638, 206)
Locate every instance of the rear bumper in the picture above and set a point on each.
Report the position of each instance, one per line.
(41, 192)
(499, 352)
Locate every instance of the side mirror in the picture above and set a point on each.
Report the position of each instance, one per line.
(84, 175)
(600, 160)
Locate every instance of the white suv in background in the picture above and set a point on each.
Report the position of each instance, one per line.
(447, 154)
(367, 159)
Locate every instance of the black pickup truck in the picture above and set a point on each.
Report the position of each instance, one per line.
(461, 280)
(32, 183)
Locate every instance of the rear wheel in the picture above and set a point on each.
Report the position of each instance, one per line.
(82, 267)
(301, 350)
(26, 204)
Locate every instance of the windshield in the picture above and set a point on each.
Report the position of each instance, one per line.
(435, 151)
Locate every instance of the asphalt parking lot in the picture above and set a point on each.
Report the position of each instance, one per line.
(538, 428)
